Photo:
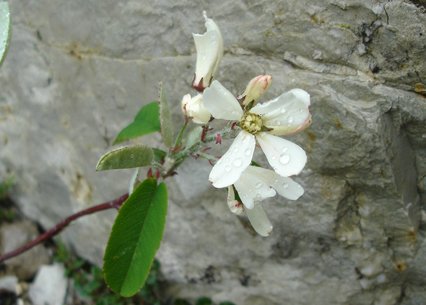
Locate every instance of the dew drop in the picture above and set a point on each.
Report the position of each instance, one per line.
(284, 159)
(283, 110)
(227, 168)
(284, 150)
(290, 120)
(247, 152)
(258, 185)
(285, 185)
(237, 162)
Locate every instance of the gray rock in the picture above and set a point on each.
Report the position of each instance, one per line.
(78, 71)
(49, 286)
(15, 235)
(9, 283)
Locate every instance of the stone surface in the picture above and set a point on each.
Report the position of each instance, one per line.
(9, 283)
(77, 72)
(49, 286)
(15, 235)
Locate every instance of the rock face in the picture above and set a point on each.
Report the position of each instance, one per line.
(77, 71)
(15, 235)
(50, 286)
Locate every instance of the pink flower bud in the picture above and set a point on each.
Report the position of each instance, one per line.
(255, 89)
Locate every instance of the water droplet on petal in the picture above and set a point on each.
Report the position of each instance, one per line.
(285, 185)
(247, 152)
(284, 150)
(284, 159)
(283, 110)
(290, 120)
(237, 162)
(227, 168)
(258, 185)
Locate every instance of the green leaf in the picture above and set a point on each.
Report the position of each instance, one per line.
(135, 238)
(4, 29)
(146, 121)
(165, 119)
(159, 155)
(6, 185)
(125, 157)
(204, 301)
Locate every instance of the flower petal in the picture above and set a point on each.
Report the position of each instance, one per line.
(221, 103)
(251, 188)
(285, 186)
(287, 114)
(209, 48)
(285, 157)
(193, 107)
(229, 168)
(234, 205)
(259, 220)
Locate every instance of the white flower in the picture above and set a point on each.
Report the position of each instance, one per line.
(194, 108)
(209, 48)
(284, 115)
(255, 185)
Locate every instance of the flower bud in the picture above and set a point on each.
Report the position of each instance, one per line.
(194, 108)
(255, 89)
(234, 205)
(209, 48)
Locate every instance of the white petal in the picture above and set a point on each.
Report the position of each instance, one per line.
(251, 188)
(287, 113)
(209, 48)
(285, 157)
(195, 109)
(229, 168)
(234, 205)
(221, 103)
(259, 220)
(285, 186)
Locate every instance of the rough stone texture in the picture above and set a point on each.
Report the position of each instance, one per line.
(15, 235)
(50, 286)
(78, 70)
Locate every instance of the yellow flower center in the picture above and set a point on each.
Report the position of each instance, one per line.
(251, 122)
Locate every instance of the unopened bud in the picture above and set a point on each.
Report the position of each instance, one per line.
(255, 89)
(194, 109)
(234, 205)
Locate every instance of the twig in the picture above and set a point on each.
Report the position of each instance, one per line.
(113, 204)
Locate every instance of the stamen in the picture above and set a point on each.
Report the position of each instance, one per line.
(251, 123)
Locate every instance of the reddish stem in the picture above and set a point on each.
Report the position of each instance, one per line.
(113, 204)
